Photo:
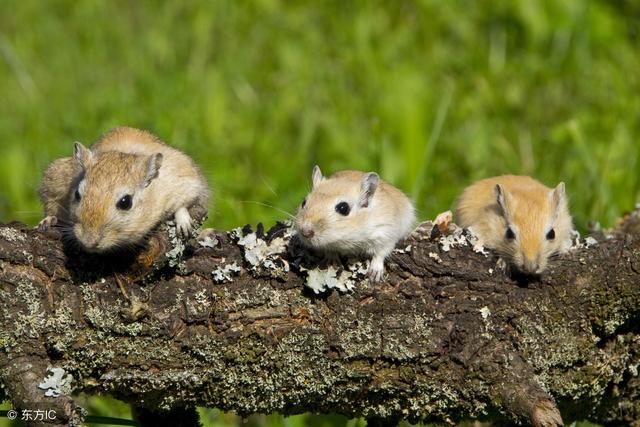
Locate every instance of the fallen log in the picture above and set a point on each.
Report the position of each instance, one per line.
(249, 321)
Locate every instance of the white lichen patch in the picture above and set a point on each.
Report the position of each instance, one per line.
(224, 274)
(574, 235)
(30, 321)
(359, 269)
(257, 250)
(435, 256)
(262, 255)
(590, 241)
(485, 312)
(177, 246)
(272, 265)
(61, 319)
(207, 240)
(28, 256)
(404, 250)
(476, 243)
(57, 382)
(322, 280)
(587, 242)
(454, 239)
(615, 320)
(202, 299)
(236, 233)
(12, 235)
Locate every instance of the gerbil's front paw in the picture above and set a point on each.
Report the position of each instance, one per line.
(47, 222)
(184, 223)
(375, 273)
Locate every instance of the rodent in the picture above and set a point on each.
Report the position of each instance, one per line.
(521, 219)
(353, 212)
(112, 195)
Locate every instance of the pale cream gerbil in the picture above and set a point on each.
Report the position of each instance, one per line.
(111, 195)
(354, 212)
(521, 219)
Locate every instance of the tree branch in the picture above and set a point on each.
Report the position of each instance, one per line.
(231, 325)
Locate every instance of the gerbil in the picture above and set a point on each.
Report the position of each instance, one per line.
(111, 195)
(354, 212)
(520, 218)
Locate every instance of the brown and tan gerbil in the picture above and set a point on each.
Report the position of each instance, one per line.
(518, 217)
(112, 195)
(354, 212)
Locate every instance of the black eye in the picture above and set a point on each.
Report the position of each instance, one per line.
(124, 203)
(510, 234)
(77, 195)
(343, 208)
(304, 203)
(551, 234)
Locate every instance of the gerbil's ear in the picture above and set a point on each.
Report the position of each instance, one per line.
(501, 198)
(154, 162)
(316, 176)
(368, 188)
(558, 195)
(82, 155)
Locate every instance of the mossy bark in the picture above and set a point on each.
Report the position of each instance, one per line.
(447, 336)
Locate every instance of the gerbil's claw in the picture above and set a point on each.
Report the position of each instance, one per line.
(375, 275)
(184, 229)
(184, 223)
(47, 222)
(376, 270)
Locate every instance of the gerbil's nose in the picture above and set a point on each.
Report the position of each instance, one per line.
(530, 266)
(87, 239)
(307, 232)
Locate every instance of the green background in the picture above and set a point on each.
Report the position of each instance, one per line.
(431, 94)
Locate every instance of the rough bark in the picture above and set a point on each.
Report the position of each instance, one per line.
(449, 335)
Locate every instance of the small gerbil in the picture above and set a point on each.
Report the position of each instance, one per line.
(354, 212)
(111, 195)
(521, 219)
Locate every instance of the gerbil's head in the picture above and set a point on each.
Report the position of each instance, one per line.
(112, 205)
(335, 211)
(537, 225)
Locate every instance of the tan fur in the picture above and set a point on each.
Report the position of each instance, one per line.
(373, 230)
(118, 164)
(54, 191)
(530, 210)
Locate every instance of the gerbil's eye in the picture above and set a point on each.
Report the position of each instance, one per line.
(124, 204)
(551, 234)
(77, 195)
(510, 235)
(343, 208)
(304, 203)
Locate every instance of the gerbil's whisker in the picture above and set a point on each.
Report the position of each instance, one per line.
(264, 181)
(269, 206)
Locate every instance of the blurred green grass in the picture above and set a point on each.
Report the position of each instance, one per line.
(431, 94)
